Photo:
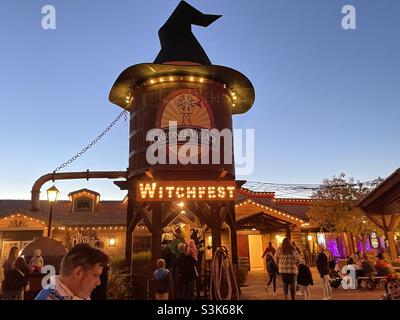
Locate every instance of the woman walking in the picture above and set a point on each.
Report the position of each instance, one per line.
(323, 269)
(287, 259)
(272, 269)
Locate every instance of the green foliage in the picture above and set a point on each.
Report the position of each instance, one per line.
(334, 207)
(141, 256)
(118, 282)
(118, 261)
(141, 262)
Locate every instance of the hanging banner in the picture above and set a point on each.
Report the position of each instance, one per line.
(185, 190)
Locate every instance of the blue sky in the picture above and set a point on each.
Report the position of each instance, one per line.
(327, 99)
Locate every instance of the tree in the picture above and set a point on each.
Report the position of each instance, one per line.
(334, 210)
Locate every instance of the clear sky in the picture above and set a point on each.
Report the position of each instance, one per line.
(327, 99)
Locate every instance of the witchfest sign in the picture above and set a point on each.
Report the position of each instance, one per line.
(185, 190)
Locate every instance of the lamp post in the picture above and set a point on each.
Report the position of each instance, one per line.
(52, 196)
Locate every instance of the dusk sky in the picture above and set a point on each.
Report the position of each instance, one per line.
(327, 99)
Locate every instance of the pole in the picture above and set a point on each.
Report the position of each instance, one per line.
(50, 220)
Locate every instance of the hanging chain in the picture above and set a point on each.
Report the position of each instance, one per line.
(91, 144)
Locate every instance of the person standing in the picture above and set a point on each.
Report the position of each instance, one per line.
(287, 258)
(161, 281)
(272, 270)
(7, 265)
(12, 256)
(15, 280)
(296, 247)
(270, 249)
(323, 269)
(187, 273)
(304, 279)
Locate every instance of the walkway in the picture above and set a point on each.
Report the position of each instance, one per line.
(256, 282)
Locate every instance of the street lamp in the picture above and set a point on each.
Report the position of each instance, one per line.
(52, 196)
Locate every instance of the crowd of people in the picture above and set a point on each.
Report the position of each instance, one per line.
(83, 275)
(178, 269)
(288, 262)
(84, 272)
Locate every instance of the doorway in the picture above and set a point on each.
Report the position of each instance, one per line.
(255, 252)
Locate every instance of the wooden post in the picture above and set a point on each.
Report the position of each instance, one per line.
(156, 233)
(389, 235)
(129, 231)
(232, 225)
(351, 243)
(50, 220)
(216, 226)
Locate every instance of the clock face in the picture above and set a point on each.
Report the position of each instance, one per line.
(191, 113)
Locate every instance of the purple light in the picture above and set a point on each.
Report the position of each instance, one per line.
(344, 251)
(382, 241)
(360, 246)
(368, 245)
(333, 248)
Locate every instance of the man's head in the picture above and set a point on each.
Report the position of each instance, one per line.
(393, 286)
(81, 268)
(321, 248)
(270, 244)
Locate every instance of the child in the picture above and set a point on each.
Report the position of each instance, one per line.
(304, 279)
(36, 263)
(272, 270)
(161, 280)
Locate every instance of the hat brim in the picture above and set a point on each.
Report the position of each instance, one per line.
(138, 74)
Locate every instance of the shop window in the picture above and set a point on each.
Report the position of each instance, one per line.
(83, 204)
(141, 243)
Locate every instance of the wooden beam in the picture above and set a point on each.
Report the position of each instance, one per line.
(147, 221)
(156, 234)
(384, 222)
(197, 210)
(168, 219)
(149, 174)
(134, 221)
(374, 220)
(223, 211)
(394, 221)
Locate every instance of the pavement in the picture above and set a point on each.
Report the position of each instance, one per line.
(254, 289)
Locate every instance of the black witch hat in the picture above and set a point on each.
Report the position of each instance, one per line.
(182, 55)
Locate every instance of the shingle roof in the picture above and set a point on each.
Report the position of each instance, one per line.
(295, 207)
(83, 190)
(106, 213)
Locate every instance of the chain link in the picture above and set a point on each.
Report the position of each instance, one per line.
(91, 144)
